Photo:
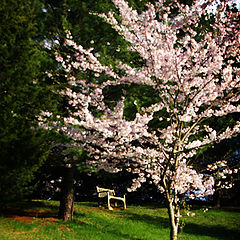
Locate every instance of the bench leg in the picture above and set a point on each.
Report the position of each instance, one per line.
(124, 202)
(109, 205)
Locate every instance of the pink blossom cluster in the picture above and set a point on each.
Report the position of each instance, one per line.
(187, 180)
(223, 174)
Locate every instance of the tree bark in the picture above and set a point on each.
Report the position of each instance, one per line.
(173, 209)
(173, 214)
(67, 196)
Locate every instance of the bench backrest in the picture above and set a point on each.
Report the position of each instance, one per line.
(102, 192)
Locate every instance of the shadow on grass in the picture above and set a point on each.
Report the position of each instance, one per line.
(124, 236)
(151, 220)
(216, 231)
(37, 209)
(87, 204)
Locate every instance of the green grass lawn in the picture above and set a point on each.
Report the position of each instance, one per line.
(37, 220)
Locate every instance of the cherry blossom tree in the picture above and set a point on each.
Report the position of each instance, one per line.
(195, 79)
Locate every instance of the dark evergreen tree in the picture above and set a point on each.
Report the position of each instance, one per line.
(22, 96)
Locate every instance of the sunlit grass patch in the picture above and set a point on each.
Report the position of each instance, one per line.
(38, 220)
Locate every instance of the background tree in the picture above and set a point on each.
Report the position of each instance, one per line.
(23, 94)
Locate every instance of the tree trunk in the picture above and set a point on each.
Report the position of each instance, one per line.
(173, 208)
(174, 214)
(67, 196)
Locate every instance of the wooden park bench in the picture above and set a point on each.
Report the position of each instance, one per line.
(104, 193)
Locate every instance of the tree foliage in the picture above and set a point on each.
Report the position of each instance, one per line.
(23, 94)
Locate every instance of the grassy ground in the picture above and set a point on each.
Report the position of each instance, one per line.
(37, 220)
